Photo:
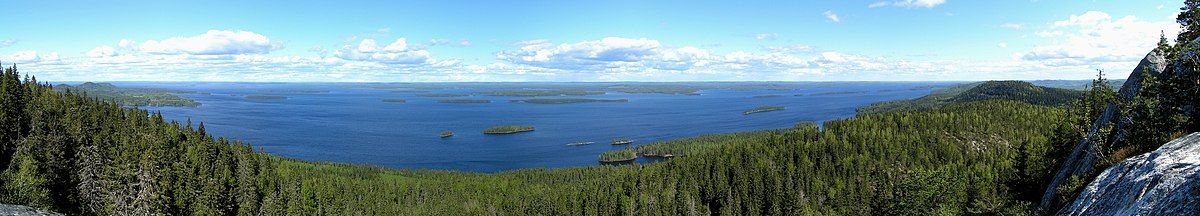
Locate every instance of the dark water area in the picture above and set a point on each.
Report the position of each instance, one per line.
(351, 123)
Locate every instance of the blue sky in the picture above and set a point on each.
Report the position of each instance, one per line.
(579, 41)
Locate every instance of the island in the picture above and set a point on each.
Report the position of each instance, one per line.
(838, 93)
(265, 97)
(535, 93)
(622, 141)
(464, 101)
(293, 91)
(580, 143)
(443, 95)
(130, 96)
(395, 101)
(570, 100)
(623, 156)
(763, 109)
(507, 129)
(446, 134)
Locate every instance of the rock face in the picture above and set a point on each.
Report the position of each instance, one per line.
(1082, 157)
(17, 210)
(1163, 182)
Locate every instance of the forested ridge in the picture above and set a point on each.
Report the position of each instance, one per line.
(980, 91)
(79, 155)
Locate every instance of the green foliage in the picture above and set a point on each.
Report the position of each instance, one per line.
(763, 109)
(535, 93)
(507, 129)
(464, 101)
(83, 156)
(989, 90)
(618, 156)
(130, 96)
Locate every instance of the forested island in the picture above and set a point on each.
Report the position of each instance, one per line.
(395, 101)
(507, 129)
(130, 96)
(294, 91)
(618, 156)
(570, 100)
(464, 101)
(837, 93)
(443, 95)
(763, 109)
(980, 152)
(989, 90)
(535, 93)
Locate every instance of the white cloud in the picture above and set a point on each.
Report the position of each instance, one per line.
(1011, 25)
(832, 16)
(908, 3)
(765, 36)
(1090, 18)
(1095, 39)
(397, 52)
(587, 54)
(29, 56)
(125, 43)
(1002, 45)
(102, 51)
(8, 42)
(464, 42)
(790, 49)
(213, 42)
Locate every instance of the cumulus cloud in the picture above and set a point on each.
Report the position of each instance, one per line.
(907, 3)
(1096, 38)
(790, 49)
(29, 56)
(765, 36)
(213, 42)
(1011, 25)
(8, 42)
(396, 52)
(102, 51)
(832, 16)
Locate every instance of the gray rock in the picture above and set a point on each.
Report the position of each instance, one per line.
(15, 210)
(1082, 157)
(1163, 182)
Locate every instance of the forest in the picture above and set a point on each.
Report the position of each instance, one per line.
(78, 155)
(130, 96)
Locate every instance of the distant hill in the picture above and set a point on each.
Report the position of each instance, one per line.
(130, 96)
(980, 91)
(1073, 84)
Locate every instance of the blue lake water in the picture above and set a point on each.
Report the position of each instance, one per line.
(351, 123)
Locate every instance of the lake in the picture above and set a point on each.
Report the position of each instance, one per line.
(351, 122)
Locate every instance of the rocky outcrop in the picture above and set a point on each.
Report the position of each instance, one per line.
(1083, 156)
(1163, 182)
(17, 210)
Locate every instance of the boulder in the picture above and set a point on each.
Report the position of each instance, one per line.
(1163, 182)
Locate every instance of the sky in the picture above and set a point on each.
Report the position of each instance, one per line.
(580, 41)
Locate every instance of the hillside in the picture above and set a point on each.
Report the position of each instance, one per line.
(81, 156)
(130, 96)
(980, 91)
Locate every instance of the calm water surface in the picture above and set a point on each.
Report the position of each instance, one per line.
(352, 124)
